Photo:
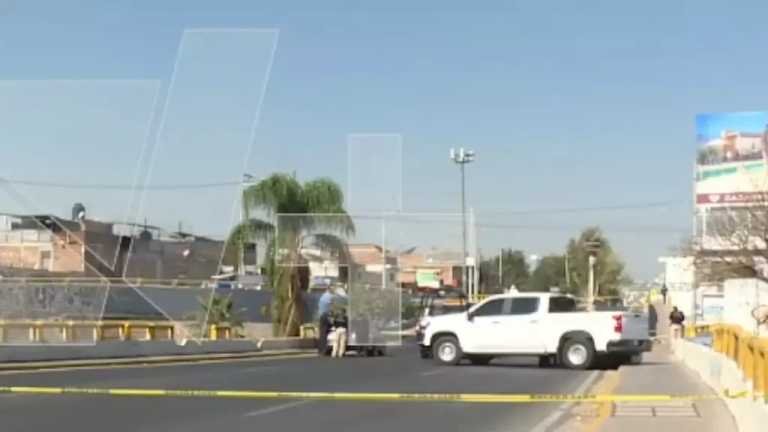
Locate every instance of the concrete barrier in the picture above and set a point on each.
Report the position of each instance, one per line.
(723, 374)
(287, 343)
(121, 349)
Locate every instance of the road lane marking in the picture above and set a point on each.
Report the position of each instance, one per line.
(350, 396)
(433, 372)
(260, 369)
(153, 365)
(277, 408)
(564, 409)
(609, 383)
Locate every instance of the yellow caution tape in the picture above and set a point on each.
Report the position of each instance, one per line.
(345, 396)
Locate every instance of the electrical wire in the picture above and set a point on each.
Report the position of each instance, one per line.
(98, 186)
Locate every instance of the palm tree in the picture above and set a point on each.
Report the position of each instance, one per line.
(296, 215)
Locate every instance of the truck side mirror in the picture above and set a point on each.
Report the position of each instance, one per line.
(470, 317)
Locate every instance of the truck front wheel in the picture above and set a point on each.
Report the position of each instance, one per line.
(577, 353)
(447, 350)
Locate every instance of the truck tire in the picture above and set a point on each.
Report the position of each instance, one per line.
(447, 351)
(577, 353)
(480, 360)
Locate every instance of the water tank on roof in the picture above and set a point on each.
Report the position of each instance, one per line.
(78, 212)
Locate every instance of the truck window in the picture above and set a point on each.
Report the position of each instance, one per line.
(562, 304)
(524, 306)
(493, 307)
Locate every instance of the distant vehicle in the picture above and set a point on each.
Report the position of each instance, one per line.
(550, 326)
(230, 281)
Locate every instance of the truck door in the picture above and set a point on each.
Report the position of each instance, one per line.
(485, 328)
(520, 327)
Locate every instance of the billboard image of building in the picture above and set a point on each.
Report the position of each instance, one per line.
(731, 176)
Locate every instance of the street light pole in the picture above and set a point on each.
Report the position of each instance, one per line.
(592, 247)
(501, 270)
(247, 179)
(463, 157)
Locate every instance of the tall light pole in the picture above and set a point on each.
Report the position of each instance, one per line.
(245, 181)
(463, 157)
(593, 247)
(501, 270)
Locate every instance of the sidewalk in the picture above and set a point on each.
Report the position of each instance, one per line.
(660, 373)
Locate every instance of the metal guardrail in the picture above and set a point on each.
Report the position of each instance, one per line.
(748, 351)
(69, 332)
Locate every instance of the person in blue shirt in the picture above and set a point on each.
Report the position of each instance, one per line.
(324, 326)
(324, 304)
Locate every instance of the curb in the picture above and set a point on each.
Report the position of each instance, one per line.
(189, 358)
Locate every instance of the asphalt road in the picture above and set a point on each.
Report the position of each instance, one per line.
(400, 371)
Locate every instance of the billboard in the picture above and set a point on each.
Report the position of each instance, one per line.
(731, 164)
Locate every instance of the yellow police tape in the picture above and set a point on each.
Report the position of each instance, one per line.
(348, 396)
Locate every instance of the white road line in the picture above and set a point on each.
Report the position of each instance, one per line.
(563, 409)
(433, 372)
(276, 408)
(259, 369)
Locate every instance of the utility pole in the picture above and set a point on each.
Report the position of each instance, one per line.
(463, 157)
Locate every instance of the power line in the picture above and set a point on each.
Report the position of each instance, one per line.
(126, 187)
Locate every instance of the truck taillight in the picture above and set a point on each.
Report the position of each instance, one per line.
(619, 326)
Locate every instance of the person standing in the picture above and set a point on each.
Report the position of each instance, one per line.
(324, 320)
(340, 324)
(664, 292)
(676, 320)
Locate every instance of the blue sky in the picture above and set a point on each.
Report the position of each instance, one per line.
(569, 105)
(711, 125)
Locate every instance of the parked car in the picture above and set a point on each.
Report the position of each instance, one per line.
(550, 326)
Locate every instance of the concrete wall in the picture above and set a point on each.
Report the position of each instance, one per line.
(741, 297)
(721, 374)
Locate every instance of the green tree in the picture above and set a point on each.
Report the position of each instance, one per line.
(610, 274)
(550, 272)
(313, 213)
(515, 271)
(221, 310)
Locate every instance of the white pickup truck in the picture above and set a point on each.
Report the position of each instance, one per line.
(550, 326)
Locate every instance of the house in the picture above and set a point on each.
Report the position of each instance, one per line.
(49, 245)
(430, 269)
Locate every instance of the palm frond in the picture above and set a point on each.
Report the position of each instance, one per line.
(339, 223)
(278, 193)
(332, 244)
(323, 195)
(249, 231)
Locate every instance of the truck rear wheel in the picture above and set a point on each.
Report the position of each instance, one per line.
(577, 353)
(447, 350)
